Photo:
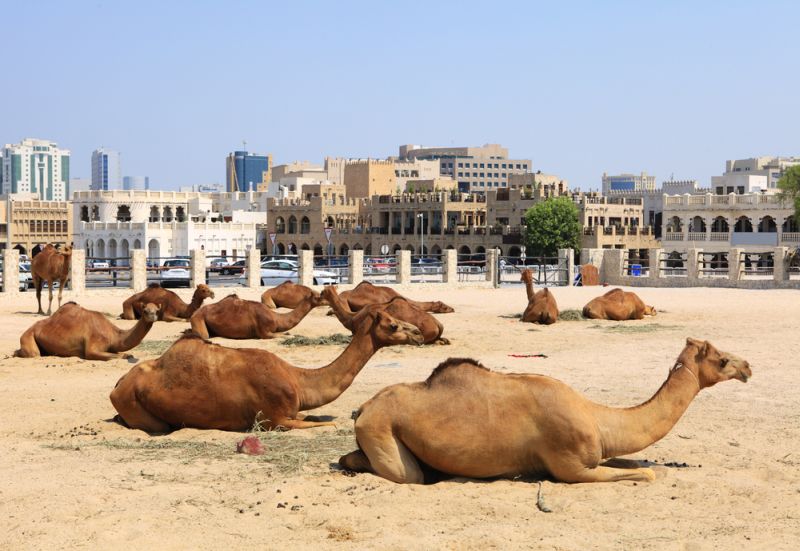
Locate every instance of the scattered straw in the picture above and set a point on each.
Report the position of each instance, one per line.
(571, 315)
(511, 316)
(634, 327)
(299, 340)
(155, 348)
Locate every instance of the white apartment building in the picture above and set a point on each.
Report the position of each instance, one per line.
(109, 224)
(35, 166)
(758, 174)
(106, 170)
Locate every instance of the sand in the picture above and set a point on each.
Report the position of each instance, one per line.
(72, 478)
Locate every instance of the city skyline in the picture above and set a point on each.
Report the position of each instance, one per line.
(581, 90)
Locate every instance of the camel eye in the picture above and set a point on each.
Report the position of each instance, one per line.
(723, 362)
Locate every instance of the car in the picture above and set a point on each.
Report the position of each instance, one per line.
(235, 268)
(98, 264)
(175, 271)
(217, 264)
(25, 278)
(275, 272)
(378, 264)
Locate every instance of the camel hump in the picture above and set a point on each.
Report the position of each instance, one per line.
(155, 285)
(449, 364)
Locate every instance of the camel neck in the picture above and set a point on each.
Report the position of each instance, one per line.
(193, 306)
(529, 290)
(341, 309)
(284, 322)
(133, 336)
(629, 430)
(322, 386)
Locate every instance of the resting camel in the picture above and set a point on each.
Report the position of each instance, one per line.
(287, 295)
(468, 421)
(366, 293)
(542, 307)
(617, 305)
(172, 307)
(51, 265)
(234, 318)
(76, 331)
(398, 307)
(203, 385)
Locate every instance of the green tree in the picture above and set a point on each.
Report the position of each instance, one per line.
(552, 224)
(789, 184)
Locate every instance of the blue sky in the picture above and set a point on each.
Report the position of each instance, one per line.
(579, 87)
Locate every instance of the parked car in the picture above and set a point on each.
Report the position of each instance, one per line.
(275, 272)
(378, 264)
(98, 264)
(217, 264)
(176, 272)
(235, 268)
(25, 277)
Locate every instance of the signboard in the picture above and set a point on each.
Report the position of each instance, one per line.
(522, 254)
(384, 249)
(272, 237)
(328, 232)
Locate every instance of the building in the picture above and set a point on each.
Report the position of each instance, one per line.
(79, 184)
(365, 178)
(758, 174)
(106, 170)
(300, 169)
(35, 166)
(628, 182)
(204, 188)
(138, 183)
(246, 171)
(26, 221)
(109, 224)
(477, 169)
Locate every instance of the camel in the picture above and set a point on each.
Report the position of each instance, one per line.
(542, 307)
(366, 293)
(287, 295)
(76, 331)
(617, 305)
(466, 420)
(398, 307)
(51, 265)
(172, 307)
(234, 318)
(198, 384)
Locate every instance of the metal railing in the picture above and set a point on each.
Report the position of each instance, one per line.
(713, 264)
(337, 265)
(105, 271)
(223, 270)
(636, 267)
(427, 268)
(757, 265)
(547, 271)
(169, 276)
(674, 264)
(380, 269)
(471, 267)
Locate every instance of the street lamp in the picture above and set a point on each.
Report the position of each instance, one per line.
(421, 235)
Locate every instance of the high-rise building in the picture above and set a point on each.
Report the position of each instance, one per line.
(139, 183)
(79, 184)
(106, 170)
(246, 171)
(628, 182)
(35, 166)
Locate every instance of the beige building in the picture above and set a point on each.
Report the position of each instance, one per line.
(369, 177)
(26, 222)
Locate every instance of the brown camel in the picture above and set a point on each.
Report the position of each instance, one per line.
(468, 421)
(287, 295)
(207, 386)
(366, 293)
(234, 318)
(398, 307)
(617, 305)
(76, 331)
(542, 307)
(51, 265)
(172, 307)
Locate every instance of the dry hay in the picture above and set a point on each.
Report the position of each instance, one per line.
(155, 348)
(571, 315)
(626, 327)
(299, 340)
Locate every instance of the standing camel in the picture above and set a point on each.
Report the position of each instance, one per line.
(76, 331)
(172, 307)
(468, 421)
(51, 265)
(234, 318)
(542, 307)
(203, 385)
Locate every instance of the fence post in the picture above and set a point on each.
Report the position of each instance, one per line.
(780, 271)
(450, 271)
(77, 271)
(612, 266)
(492, 257)
(355, 269)
(197, 267)
(11, 271)
(654, 261)
(734, 266)
(403, 267)
(567, 256)
(306, 270)
(138, 270)
(253, 267)
(693, 264)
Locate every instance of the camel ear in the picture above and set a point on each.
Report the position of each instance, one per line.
(702, 346)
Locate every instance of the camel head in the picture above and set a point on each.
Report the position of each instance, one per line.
(150, 312)
(650, 310)
(713, 366)
(526, 276)
(329, 294)
(67, 250)
(386, 330)
(203, 292)
(439, 307)
(322, 301)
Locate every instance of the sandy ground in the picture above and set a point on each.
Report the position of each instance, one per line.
(72, 478)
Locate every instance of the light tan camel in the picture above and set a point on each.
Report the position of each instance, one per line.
(51, 265)
(398, 307)
(207, 386)
(234, 318)
(366, 293)
(468, 421)
(172, 307)
(617, 305)
(542, 307)
(76, 331)
(287, 295)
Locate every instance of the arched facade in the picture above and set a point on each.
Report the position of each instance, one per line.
(305, 225)
(292, 224)
(280, 225)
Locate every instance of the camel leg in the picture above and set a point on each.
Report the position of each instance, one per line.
(573, 472)
(61, 286)
(127, 311)
(356, 461)
(170, 317)
(302, 424)
(38, 283)
(105, 356)
(50, 304)
(389, 458)
(27, 346)
(131, 411)
(442, 340)
(199, 326)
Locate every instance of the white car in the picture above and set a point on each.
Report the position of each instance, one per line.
(275, 272)
(25, 277)
(175, 271)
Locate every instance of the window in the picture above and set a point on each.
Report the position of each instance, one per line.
(518, 165)
(481, 174)
(460, 174)
(504, 165)
(481, 165)
(460, 165)
(474, 165)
